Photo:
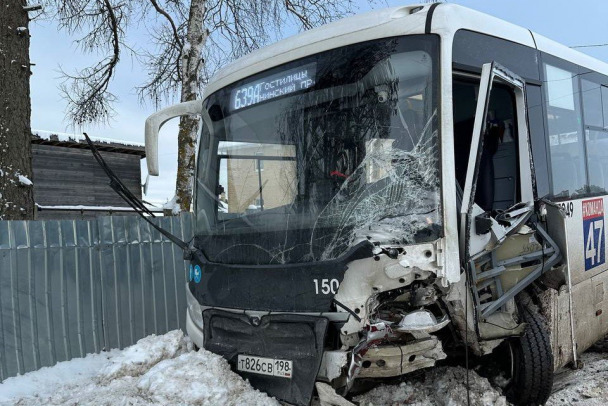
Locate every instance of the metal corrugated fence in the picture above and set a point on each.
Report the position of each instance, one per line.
(73, 287)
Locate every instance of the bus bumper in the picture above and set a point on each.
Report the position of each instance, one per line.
(194, 331)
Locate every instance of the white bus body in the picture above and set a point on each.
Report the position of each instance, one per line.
(513, 128)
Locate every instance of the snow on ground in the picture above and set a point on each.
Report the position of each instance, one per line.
(165, 370)
(445, 386)
(158, 370)
(78, 371)
(441, 386)
(587, 386)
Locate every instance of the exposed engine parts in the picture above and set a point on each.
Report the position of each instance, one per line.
(398, 316)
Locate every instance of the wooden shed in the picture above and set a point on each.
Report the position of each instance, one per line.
(70, 184)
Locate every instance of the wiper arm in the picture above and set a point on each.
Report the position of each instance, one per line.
(136, 204)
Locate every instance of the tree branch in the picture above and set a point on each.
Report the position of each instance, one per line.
(92, 99)
(303, 19)
(168, 17)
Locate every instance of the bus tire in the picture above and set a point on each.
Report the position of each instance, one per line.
(532, 359)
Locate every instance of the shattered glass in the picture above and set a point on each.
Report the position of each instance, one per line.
(307, 175)
(401, 207)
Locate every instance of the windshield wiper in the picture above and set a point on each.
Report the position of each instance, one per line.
(136, 204)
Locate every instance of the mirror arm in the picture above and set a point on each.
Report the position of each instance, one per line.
(157, 120)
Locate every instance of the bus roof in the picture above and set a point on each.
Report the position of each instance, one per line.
(439, 18)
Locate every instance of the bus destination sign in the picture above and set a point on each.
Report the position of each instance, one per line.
(273, 86)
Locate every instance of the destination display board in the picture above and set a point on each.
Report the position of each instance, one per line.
(273, 86)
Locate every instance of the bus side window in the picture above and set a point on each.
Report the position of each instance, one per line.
(595, 103)
(597, 154)
(565, 132)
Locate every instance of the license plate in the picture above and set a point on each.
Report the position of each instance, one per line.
(265, 366)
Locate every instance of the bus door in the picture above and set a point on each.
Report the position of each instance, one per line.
(502, 252)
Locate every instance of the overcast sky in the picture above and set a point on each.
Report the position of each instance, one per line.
(571, 23)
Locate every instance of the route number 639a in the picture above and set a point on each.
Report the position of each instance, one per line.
(326, 286)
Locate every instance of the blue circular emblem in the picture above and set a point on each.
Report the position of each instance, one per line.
(191, 273)
(197, 274)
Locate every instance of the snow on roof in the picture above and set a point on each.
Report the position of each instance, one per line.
(79, 138)
(95, 208)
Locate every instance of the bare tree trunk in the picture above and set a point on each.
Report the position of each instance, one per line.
(16, 194)
(192, 63)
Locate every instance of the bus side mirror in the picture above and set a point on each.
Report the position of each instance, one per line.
(157, 120)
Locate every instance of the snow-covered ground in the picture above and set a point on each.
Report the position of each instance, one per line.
(587, 386)
(158, 370)
(165, 370)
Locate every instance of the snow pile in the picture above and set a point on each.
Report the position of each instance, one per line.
(149, 351)
(197, 378)
(441, 386)
(157, 370)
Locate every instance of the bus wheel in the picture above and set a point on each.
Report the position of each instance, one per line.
(531, 363)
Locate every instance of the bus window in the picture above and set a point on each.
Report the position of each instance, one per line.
(255, 177)
(592, 104)
(605, 105)
(596, 138)
(497, 184)
(565, 138)
(597, 155)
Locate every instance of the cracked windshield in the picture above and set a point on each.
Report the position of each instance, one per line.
(304, 161)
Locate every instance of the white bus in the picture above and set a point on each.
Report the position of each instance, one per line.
(390, 190)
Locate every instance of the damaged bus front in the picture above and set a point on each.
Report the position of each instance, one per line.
(318, 217)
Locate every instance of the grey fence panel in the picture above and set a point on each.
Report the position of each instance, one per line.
(4, 266)
(73, 287)
(10, 354)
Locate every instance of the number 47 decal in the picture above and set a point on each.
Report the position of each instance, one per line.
(593, 232)
(593, 252)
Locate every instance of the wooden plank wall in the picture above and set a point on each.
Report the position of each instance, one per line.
(72, 176)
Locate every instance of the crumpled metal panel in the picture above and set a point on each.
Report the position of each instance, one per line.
(73, 287)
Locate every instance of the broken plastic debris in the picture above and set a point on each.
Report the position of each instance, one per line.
(329, 397)
(421, 320)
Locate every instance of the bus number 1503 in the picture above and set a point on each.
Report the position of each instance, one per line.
(326, 286)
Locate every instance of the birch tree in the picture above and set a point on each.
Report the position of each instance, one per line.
(16, 195)
(191, 40)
